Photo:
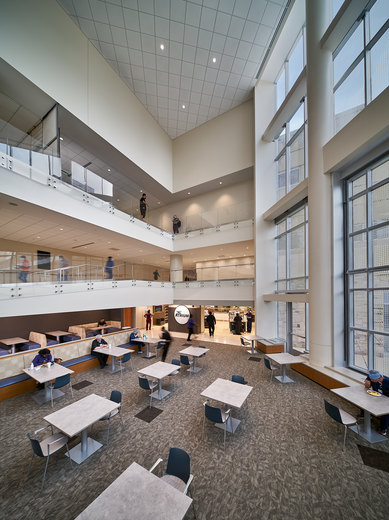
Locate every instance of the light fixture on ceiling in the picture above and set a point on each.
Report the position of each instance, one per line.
(162, 46)
(61, 138)
(220, 182)
(61, 228)
(37, 237)
(183, 106)
(159, 203)
(188, 192)
(109, 169)
(13, 204)
(214, 60)
(117, 200)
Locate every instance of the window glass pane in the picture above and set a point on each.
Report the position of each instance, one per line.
(359, 184)
(379, 62)
(297, 121)
(349, 97)
(281, 258)
(298, 326)
(359, 213)
(360, 309)
(280, 89)
(281, 181)
(360, 348)
(297, 284)
(296, 161)
(281, 141)
(281, 319)
(381, 353)
(351, 49)
(380, 173)
(336, 5)
(359, 251)
(379, 13)
(296, 219)
(358, 281)
(281, 286)
(380, 242)
(296, 62)
(380, 204)
(281, 227)
(296, 252)
(381, 311)
(381, 279)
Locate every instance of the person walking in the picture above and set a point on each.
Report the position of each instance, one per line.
(176, 224)
(167, 339)
(190, 325)
(24, 269)
(238, 324)
(109, 265)
(156, 274)
(143, 205)
(211, 320)
(249, 317)
(63, 265)
(148, 317)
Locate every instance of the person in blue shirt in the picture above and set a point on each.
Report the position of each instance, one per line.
(249, 317)
(109, 267)
(190, 325)
(133, 336)
(43, 356)
(379, 383)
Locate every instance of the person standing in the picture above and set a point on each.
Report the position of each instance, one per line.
(63, 265)
(167, 339)
(143, 205)
(148, 317)
(249, 317)
(24, 269)
(109, 265)
(176, 224)
(97, 343)
(379, 383)
(238, 324)
(156, 274)
(190, 325)
(211, 320)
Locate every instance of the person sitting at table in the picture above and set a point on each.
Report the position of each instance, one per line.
(379, 383)
(44, 356)
(96, 343)
(135, 334)
(101, 323)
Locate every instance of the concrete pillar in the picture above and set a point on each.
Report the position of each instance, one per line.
(176, 272)
(320, 121)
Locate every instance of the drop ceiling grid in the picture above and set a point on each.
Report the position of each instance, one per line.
(128, 34)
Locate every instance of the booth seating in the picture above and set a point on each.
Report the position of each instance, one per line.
(36, 340)
(70, 337)
(82, 330)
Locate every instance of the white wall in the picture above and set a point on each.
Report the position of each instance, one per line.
(40, 41)
(226, 268)
(221, 146)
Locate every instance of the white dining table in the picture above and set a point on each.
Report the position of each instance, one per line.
(284, 359)
(147, 342)
(114, 352)
(253, 338)
(195, 352)
(158, 371)
(229, 393)
(138, 494)
(372, 405)
(57, 334)
(77, 417)
(44, 374)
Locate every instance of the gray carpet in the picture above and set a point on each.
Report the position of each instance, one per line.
(285, 460)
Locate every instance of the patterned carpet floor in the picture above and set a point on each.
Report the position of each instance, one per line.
(285, 461)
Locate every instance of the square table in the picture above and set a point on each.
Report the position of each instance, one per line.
(285, 359)
(44, 374)
(11, 342)
(129, 497)
(57, 334)
(229, 393)
(377, 406)
(75, 419)
(147, 342)
(114, 352)
(159, 370)
(253, 338)
(195, 352)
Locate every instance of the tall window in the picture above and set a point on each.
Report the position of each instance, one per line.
(290, 158)
(367, 268)
(361, 64)
(291, 69)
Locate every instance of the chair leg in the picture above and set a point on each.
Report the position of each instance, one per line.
(44, 473)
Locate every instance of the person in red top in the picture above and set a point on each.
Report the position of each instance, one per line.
(148, 317)
(24, 269)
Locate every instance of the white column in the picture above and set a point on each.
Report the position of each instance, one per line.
(320, 120)
(176, 272)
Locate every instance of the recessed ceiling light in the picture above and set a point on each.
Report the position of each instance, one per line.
(162, 46)
(183, 106)
(214, 60)
(13, 204)
(118, 200)
(61, 228)
(159, 203)
(37, 237)
(109, 242)
(188, 192)
(61, 138)
(109, 169)
(220, 182)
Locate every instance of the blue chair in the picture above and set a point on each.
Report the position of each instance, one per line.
(341, 417)
(185, 361)
(238, 379)
(30, 345)
(270, 366)
(217, 416)
(175, 374)
(125, 359)
(51, 342)
(145, 384)
(178, 470)
(116, 397)
(59, 383)
(47, 447)
(246, 344)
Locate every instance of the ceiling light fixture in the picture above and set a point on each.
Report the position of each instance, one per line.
(183, 106)
(61, 138)
(61, 228)
(214, 60)
(162, 46)
(109, 169)
(188, 192)
(220, 182)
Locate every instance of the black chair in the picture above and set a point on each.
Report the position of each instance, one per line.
(178, 470)
(175, 374)
(47, 447)
(185, 360)
(238, 379)
(245, 344)
(59, 383)
(216, 415)
(271, 367)
(341, 417)
(125, 359)
(116, 397)
(145, 384)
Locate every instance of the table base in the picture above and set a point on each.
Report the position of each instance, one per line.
(112, 369)
(160, 394)
(284, 379)
(372, 436)
(76, 453)
(232, 425)
(42, 397)
(149, 355)
(194, 370)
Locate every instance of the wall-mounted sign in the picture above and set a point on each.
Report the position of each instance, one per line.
(181, 314)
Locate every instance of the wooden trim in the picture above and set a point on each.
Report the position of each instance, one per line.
(317, 376)
(270, 349)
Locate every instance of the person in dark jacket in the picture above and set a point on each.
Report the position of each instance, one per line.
(211, 320)
(190, 325)
(249, 316)
(143, 205)
(99, 342)
(167, 339)
(379, 383)
(238, 324)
